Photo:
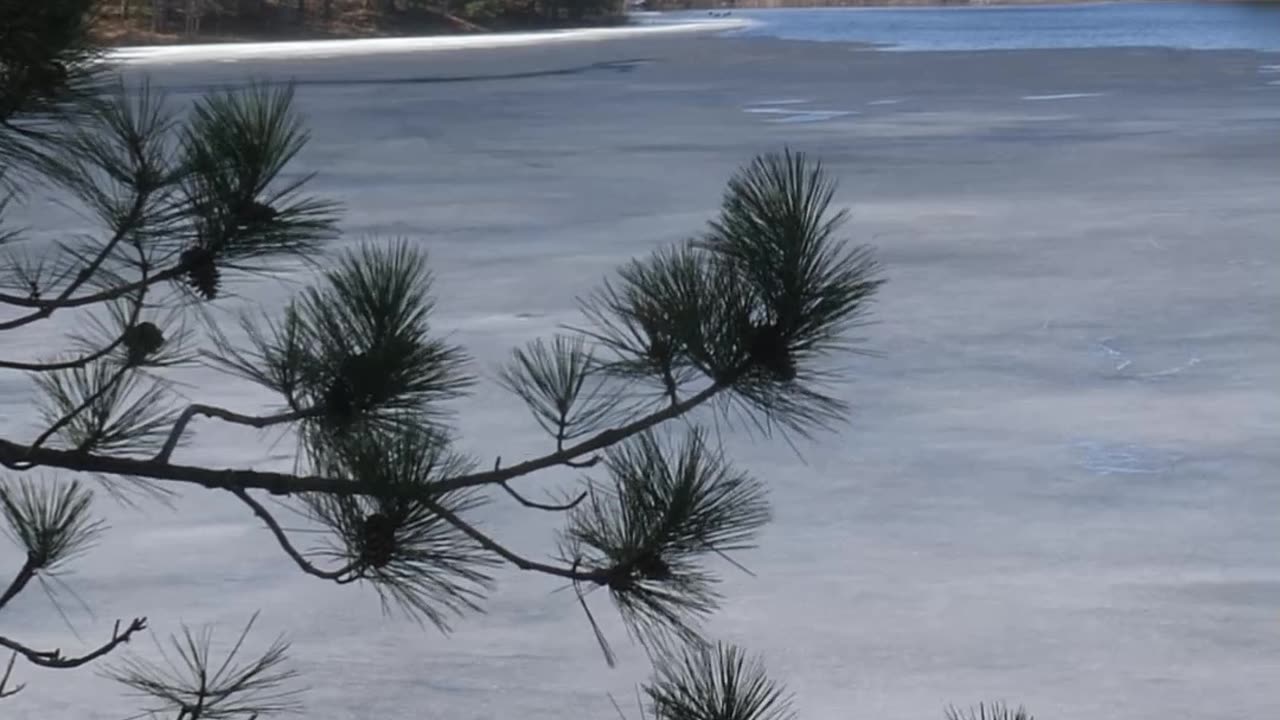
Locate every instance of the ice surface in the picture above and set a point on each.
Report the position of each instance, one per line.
(1028, 503)
(236, 52)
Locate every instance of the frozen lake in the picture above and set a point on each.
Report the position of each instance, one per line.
(1194, 25)
(1059, 486)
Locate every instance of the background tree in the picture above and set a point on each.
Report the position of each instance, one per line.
(746, 320)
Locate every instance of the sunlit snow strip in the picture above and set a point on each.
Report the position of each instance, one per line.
(375, 46)
(788, 101)
(1062, 96)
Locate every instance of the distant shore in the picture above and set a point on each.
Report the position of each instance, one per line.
(113, 33)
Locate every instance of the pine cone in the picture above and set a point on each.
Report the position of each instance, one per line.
(349, 390)
(377, 540)
(202, 271)
(254, 214)
(338, 403)
(142, 340)
(649, 566)
(769, 351)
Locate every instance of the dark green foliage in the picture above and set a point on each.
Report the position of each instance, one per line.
(234, 153)
(667, 509)
(356, 350)
(702, 682)
(993, 711)
(778, 236)
(105, 409)
(372, 356)
(670, 318)
(192, 685)
(413, 557)
(51, 520)
(563, 386)
(47, 71)
(759, 305)
(119, 162)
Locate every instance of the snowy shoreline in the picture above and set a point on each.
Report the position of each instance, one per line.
(231, 52)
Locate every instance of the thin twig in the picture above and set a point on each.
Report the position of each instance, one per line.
(255, 421)
(283, 539)
(497, 465)
(135, 314)
(561, 507)
(127, 225)
(25, 573)
(5, 690)
(55, 658)
(101, 296)
(62, 364)
(599, 441)
(523, 563)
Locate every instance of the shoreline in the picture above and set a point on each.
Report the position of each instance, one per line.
(382, 45)
(634, 25)
(115, 37)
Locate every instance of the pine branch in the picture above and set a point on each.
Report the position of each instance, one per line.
(563, 387)
(103, 409)
(83, 276)
(51, 521)
(195, 687)
(56, 660)
(702, 682)
(91, 398)
(254, 421)
(600, 441)
(48, 307)
(287, 546)
(510, 556)
(992, 711)
(55, 366)
(19, 457)
(667, 509)
(51, 74)
(549, 507)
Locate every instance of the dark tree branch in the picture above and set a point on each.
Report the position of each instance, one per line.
(25, 573)
(63, 364)
(135, 314)
(127, 225)
(497, 465)
(255, 421)
(55, 659)
(562, 507)
(523, 563)
(5, 690)
(115, 293)
(597, 442)
(21, 457)
(283, 539)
